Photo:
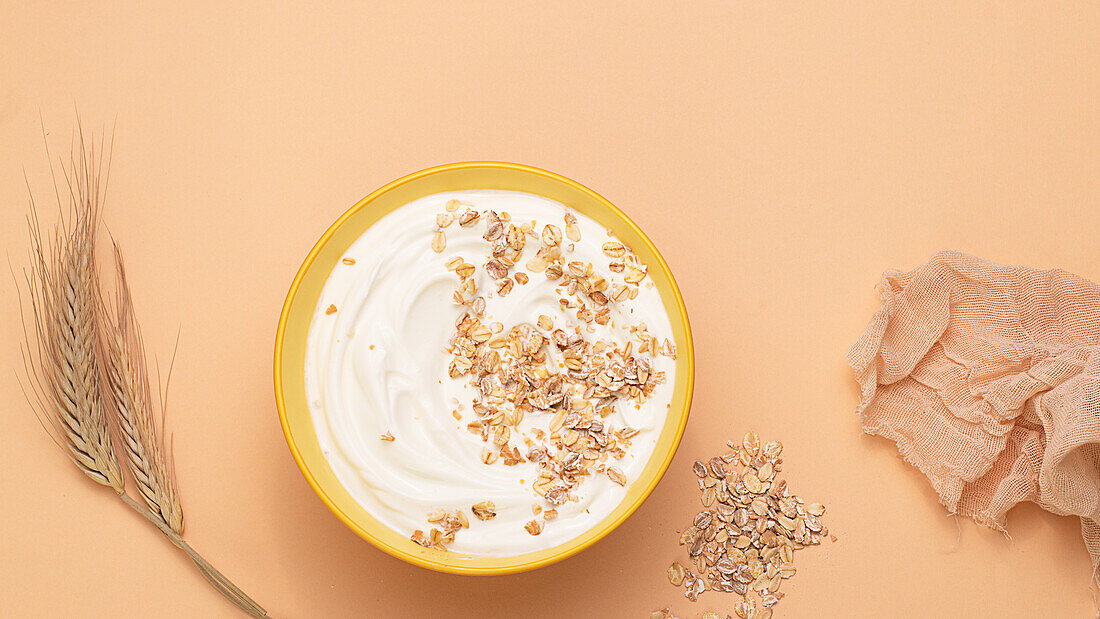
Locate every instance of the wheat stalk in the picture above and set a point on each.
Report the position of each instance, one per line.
(64, 371)
(131, 405)
(87, 368)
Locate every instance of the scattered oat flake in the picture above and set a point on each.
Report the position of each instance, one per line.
(439, 241)
(388, 436)
(676, 574)
(615, 250)
(485, 510)
(751, 443)
(348, 261)
(419, 538)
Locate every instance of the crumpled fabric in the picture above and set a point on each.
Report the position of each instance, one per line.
(987, 377)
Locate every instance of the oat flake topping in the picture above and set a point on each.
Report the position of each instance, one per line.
(570, 381)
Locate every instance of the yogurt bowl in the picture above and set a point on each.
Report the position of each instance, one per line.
(391, 426)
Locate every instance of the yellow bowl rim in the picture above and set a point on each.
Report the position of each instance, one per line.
(592, 536)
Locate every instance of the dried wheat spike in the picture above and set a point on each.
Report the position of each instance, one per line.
(64, 370)
(131, 403)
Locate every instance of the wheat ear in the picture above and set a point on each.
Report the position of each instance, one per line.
(64, 371)
(81, 369)
(131, 404)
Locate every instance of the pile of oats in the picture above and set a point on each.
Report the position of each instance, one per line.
(564, 376)
(743, 542)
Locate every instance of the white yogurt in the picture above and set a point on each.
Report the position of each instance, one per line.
(379, 364)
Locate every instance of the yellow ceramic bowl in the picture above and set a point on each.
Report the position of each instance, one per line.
(290, 346)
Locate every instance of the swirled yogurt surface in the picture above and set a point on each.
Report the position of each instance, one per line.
(393, 421)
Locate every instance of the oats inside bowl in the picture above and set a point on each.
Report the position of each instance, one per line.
(488, 371)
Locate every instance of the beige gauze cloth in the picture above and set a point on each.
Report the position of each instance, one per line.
(988, 379)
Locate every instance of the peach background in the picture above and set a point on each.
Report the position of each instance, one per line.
(780, 155)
